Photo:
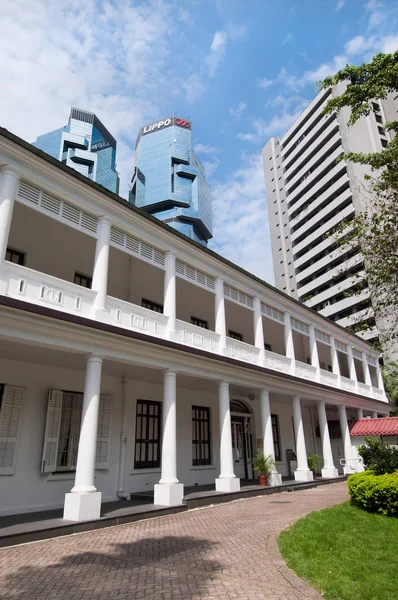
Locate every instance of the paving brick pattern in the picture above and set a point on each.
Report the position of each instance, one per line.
(220, 552)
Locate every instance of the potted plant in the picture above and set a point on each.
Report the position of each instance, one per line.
(263, 465)
(314, 463)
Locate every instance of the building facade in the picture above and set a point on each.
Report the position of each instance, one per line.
(309, 194)
(132, 358)
(169, 182)
(84, 144)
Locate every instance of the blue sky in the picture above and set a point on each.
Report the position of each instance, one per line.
(241, 70)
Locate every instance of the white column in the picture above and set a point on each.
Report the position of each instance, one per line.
(380, 383)
(302, 472)
(345, 434)
(226, 482)
(351, 366)
(314, 351)
(258, 329)
(123, 442)
(8, 191)
(84, 502)
(359, 413)
(335, 360)
(374, 414)
(366, 371)
(221, 326)
(169, 491)
(101, 263)
(289, 345)
(329, 469)
(169, 308)
(268, 439)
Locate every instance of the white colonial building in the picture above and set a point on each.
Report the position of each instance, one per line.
(132, 357)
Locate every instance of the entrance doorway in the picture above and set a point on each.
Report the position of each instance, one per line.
(242, 445)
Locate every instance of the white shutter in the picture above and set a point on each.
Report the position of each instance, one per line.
(103, 433)
(10, 420)
(51, 436)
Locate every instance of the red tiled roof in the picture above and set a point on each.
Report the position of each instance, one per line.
(385, 426)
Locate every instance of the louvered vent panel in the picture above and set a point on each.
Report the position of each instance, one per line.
(371, 360)
(55, 206)
(322, 337)
(119, 238)
(300, 326)
(240, 297)
(357, 353)
(340, 346)
(273, 313)
(193, 274)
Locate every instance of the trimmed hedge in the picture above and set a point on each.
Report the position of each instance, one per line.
(375, 493)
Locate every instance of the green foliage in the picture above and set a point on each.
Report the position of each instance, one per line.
(263, 465)
(315, 462)
(345, 552)
(375, 493)
(375, 230)
(378, 457)
(390, 380)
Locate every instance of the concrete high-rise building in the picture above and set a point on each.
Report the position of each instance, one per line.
(169, 182)
(85, 145)
(309, 194)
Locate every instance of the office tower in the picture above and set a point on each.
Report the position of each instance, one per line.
(84, 144)
(169, 182)
(309, 194)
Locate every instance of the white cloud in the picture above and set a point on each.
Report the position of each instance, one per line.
(326, 69)
(265, 83)
(291, 81)
(205, 149)
(278, 124)
(340, 5)
(217, 51)
(287, 39)
(237, 112)
(240, 219)
(377, 13)
(389, 44)
(358, 45)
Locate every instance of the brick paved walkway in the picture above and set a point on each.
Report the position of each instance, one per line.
(221, 552)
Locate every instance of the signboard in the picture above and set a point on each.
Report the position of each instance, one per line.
(100, 146)
(158, 125)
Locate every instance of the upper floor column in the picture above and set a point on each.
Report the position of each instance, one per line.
(170, 293)
(9, 182)
(289, 345)
(314, 351)
(258, 329)
(351, 365)
(366, 371)
(335, 358)
(221, 326)
(101, 263)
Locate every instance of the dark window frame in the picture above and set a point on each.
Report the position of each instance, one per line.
(199, 322)
(235, 335)
(150, 305)
(267, 347)
(21, 256)
(84, 279)
(201, 436)
(151, 431)
(276, 437)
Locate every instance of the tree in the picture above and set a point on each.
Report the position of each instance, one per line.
(375, 230)
(390, 380)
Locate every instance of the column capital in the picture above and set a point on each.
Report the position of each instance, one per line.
(92, 358)
(321, 402)
(223, 384)
(104, 220)
(169, 373)
(10, 170)
(295, 398)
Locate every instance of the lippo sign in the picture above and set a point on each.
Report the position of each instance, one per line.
(163, 124)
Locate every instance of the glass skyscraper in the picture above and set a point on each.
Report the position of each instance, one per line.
(169, 182)
(85, 145)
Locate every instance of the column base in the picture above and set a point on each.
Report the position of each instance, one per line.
(168, 494)
(82, 507)
(303, 475)
(330, 472)
(274, 479)
(230, 484)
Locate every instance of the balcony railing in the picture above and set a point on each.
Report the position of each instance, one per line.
(45, 290)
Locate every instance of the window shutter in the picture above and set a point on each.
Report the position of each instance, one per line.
(10, 423)
(51, 436)
(103, 433)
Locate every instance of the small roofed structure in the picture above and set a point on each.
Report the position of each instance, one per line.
(387, 426)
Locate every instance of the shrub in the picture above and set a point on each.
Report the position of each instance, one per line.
(378, 457)
(375, 493)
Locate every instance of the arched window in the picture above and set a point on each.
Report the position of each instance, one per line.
(236, 406)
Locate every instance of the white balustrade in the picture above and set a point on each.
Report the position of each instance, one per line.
(39, 288)
(347, 384)
(329, 378)
(242, 351)
(305, 371)
(198, 337)
(278, 362)
(364, 390)
(378, 394)
(131, 316)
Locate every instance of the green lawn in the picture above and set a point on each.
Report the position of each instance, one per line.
(345, 553)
